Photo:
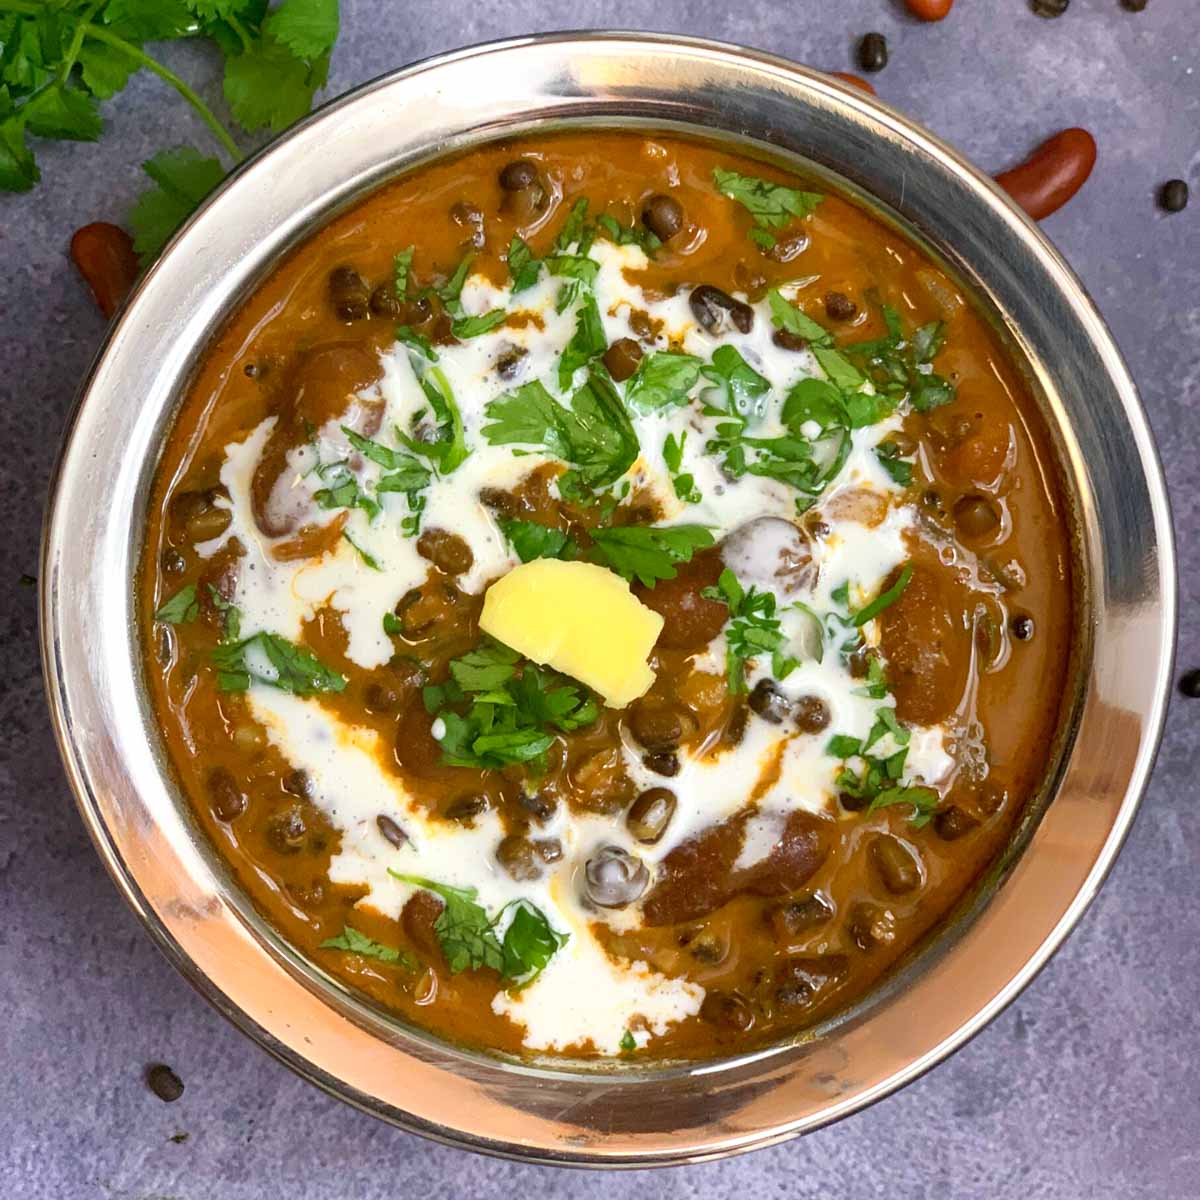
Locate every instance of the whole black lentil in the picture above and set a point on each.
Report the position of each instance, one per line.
(1049, 8)
(164, 1083)
(873, 52)
(1189, 685)
(1022, 628)
(1173, 195)
(518, 175)
(1134, 5)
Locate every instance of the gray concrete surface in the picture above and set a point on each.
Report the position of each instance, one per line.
(1088, 1086)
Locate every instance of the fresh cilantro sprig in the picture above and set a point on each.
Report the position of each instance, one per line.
(594, 436)
(59, 61)
(649, 553)
(470, 937)
(771, 205)
(354, 942)
(754, 630)
(496, 711)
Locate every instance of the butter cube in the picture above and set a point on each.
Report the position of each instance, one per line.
(580, 619)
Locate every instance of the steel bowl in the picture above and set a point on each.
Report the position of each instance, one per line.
(564, 1113)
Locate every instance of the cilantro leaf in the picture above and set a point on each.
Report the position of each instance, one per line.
(63, 112)
(924, 801)
(183, 178)
(463, 927)
(368, 559)
(587, 342)
(684, 484)
(523, 267)
(741, 387)
(628, 1044)
(401, 266)
(530, 942)
(472, 326)
(754, 630)
(273, 660)
(595, 435)
(469, 939)
(268, 87)
(772, 205)
(18, 170)
(354, 942)
(574, 231)
(786, 316)
(900, 367)
(662, 380)
(628, 235)
(180, 608)
(647, 553)
(495, 711)
(900, 469)
(885, 599)
(308, 28)
(531, 540)
(449, 450)
(105, 69)
(150, 20)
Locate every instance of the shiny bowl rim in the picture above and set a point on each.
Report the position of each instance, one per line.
(466, 1099)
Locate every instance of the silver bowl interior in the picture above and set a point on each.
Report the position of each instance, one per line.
(553, 1112)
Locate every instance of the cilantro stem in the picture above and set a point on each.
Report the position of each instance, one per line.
(77, 42)
(100, 34)
(240, 30)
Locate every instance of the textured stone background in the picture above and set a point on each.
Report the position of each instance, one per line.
(1087, 1086)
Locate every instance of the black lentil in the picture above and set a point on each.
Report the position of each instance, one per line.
(164, 1083)
(1173, 196)
(873, 52)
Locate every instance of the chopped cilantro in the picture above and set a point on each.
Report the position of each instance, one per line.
(900, 365)
(628, 1044)
(594, 435)
(662, 380)
(899, 469)
(531, 540)
(523, 267)
(471, 941)
(354, 942)
(271, 659)
(586, 344)
(368, 559)
(684, 484)
(885, 599)
(180, 608)
(472, 326)
(753, 630)
(575, 230)
(401, 267)
(628, 235)
(496, 711)
(771, 205)
(647, 553)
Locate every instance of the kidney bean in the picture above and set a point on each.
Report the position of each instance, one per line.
(105, 257)
(854, 80)
(1052, 174)
(929, 10)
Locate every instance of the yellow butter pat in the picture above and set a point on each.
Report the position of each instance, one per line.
(578, 618)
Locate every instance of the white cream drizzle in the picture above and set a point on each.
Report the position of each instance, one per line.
(584, 995)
